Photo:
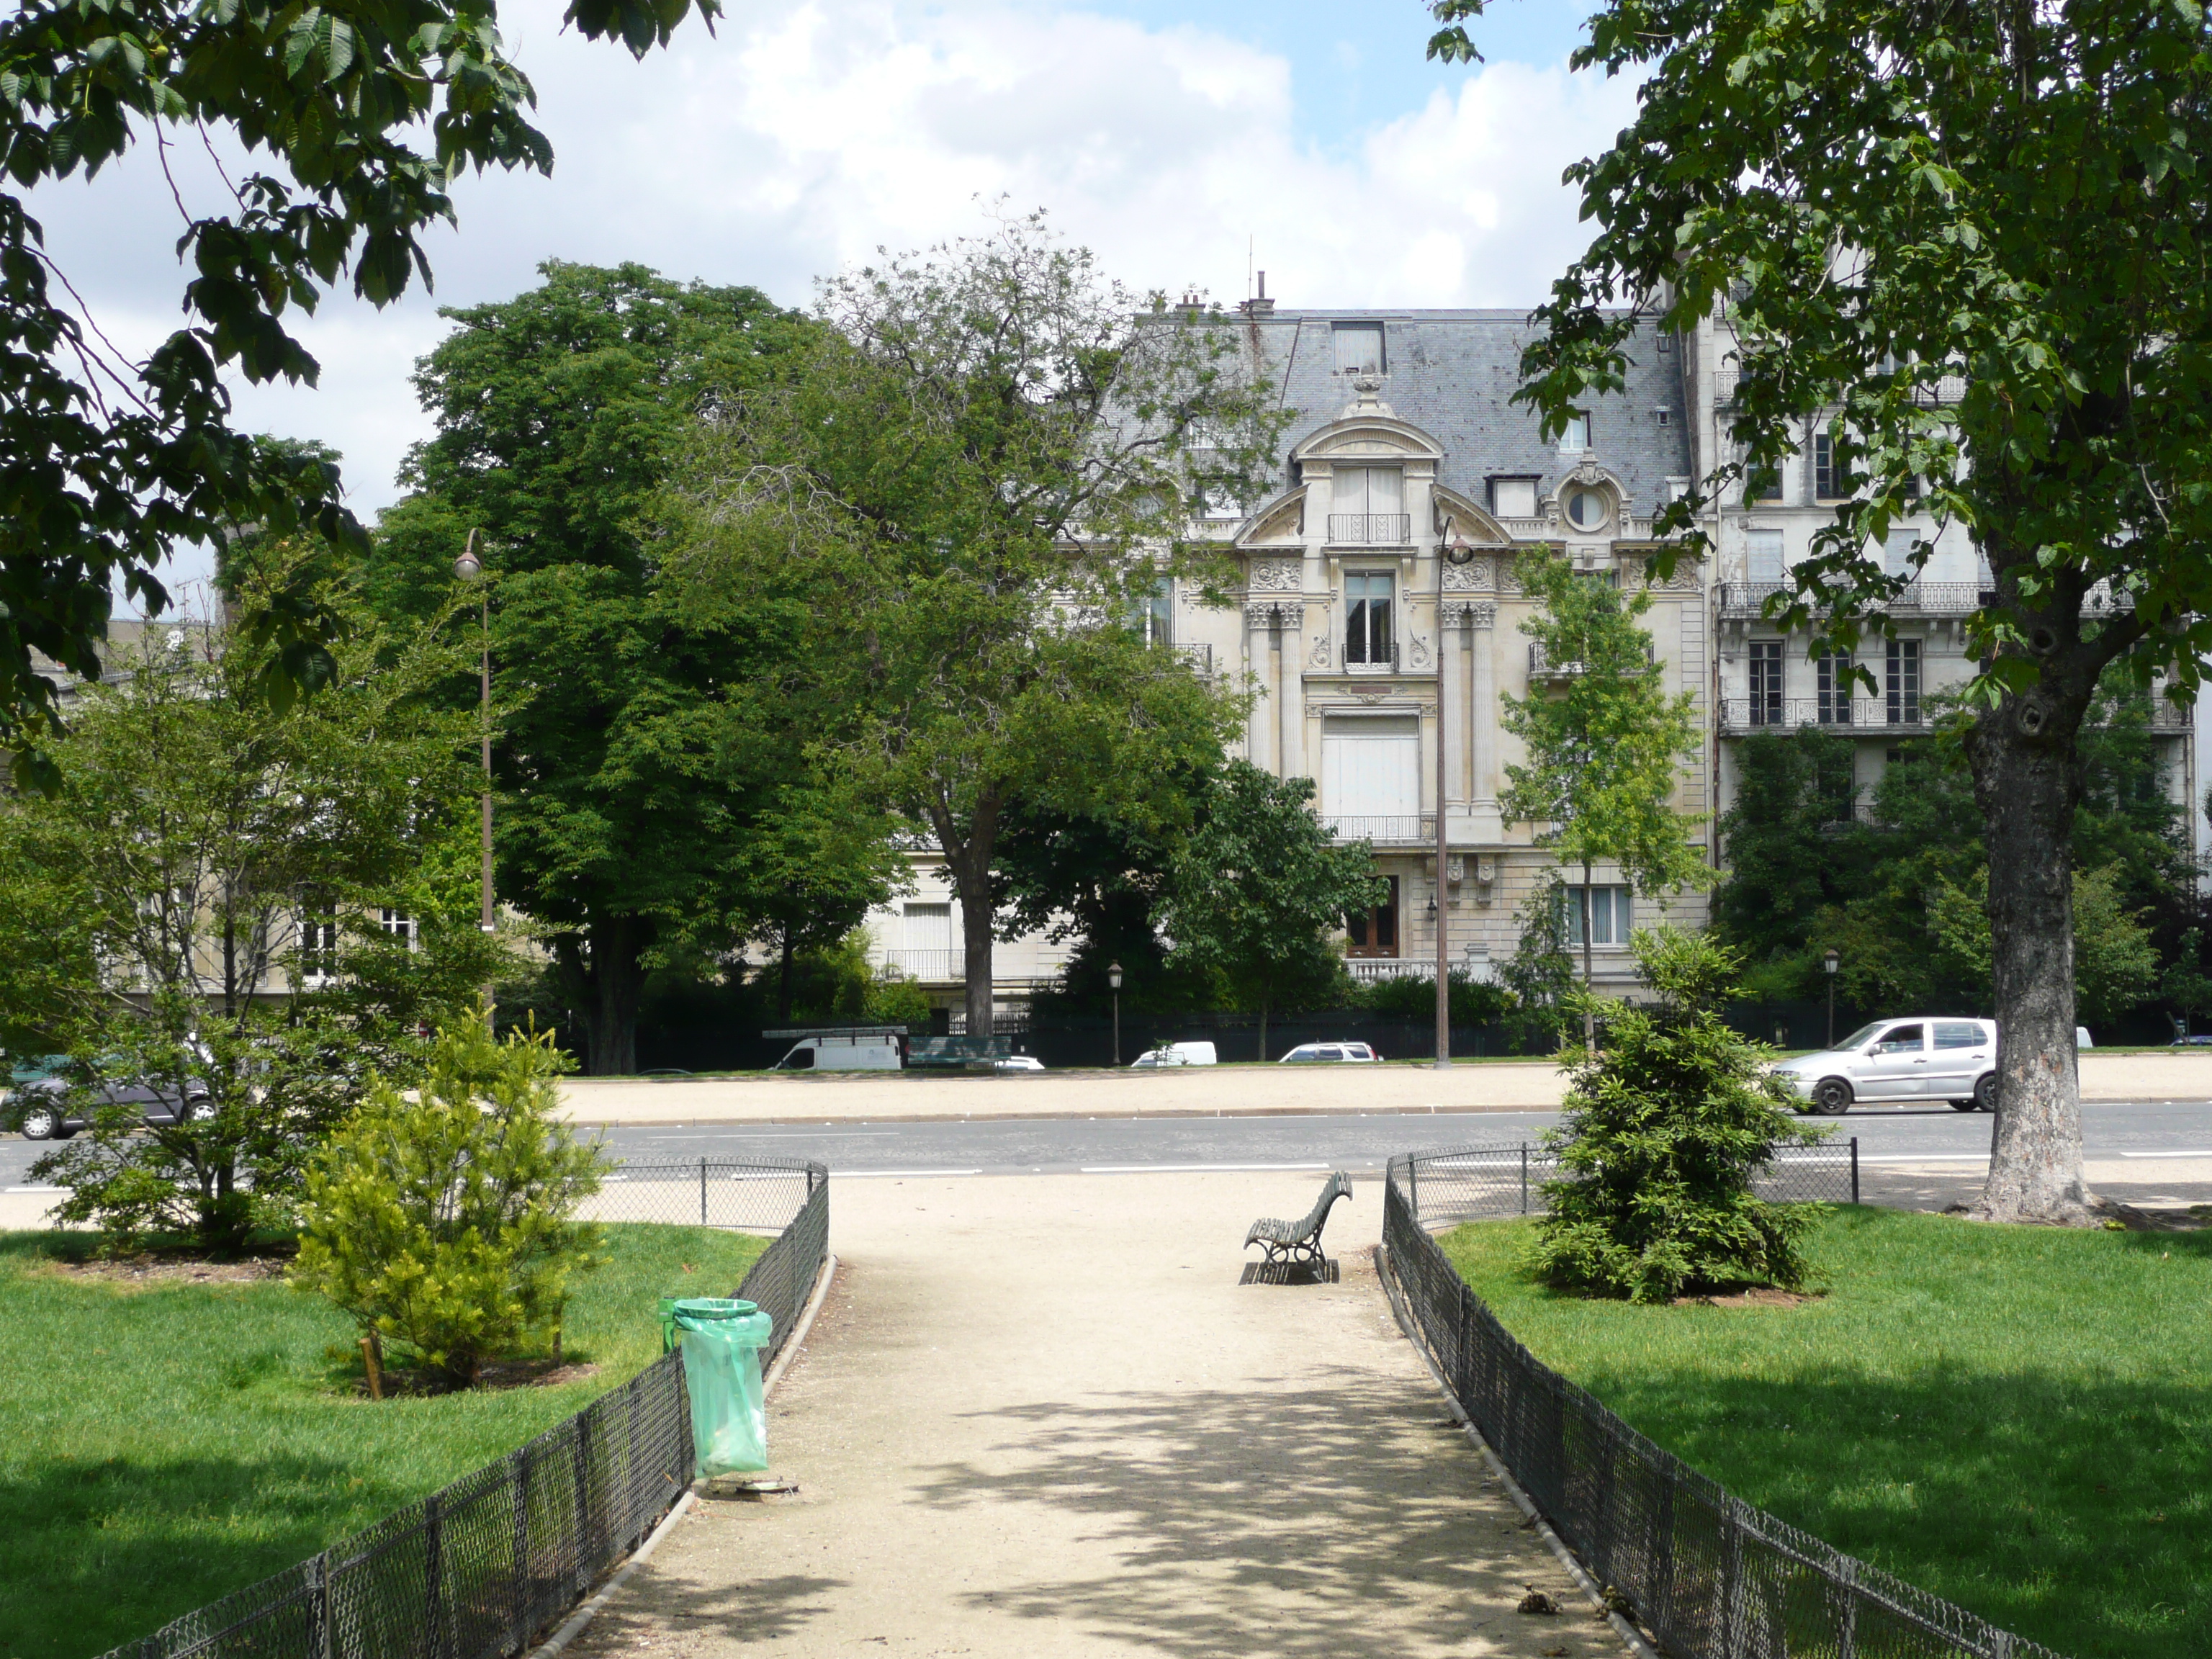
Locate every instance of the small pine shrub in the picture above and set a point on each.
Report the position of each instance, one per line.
(444, 1223)
(1664, 1128)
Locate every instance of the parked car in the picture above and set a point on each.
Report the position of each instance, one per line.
(1176, 1053)
(1923, 1058)
(844, 1051)
(1018, 1063)
(38, 1105)
(1315, 1053)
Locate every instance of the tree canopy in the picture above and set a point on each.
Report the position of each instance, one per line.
(1968, 243)
(352, 122)
(981, 462)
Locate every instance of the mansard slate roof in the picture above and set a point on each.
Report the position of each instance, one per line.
(1452, 373)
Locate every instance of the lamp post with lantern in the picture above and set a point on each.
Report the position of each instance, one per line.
(470, 568)
(1829, 962)
(1457, 552)
(1114, 979)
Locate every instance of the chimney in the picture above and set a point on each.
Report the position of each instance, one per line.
(1261, 307)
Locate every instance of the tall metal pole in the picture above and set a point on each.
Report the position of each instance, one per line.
(470, 568)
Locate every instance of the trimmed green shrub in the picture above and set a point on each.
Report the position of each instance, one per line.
(1664, 1128)
(444, 1223)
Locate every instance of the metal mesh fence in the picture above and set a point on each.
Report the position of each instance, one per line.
(475, 1571)
(1708, 1575)
(1466, 1183)
(704, 1192)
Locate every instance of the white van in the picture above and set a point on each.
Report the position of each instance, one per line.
(1176, 1053)
(846, 1051)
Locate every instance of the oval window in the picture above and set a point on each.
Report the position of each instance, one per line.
(1586, 509)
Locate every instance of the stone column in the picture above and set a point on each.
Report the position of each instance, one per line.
(1259, 739)
(1482, 614)
(1291, 752)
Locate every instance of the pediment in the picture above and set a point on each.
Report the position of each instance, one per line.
(1282, 521)
(1457, 514)
(1368, 437)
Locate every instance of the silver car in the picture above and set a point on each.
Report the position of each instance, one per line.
(1924, 1057)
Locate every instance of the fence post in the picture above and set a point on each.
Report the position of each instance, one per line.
(1414, 1185)
(433, 1581)
(1732, 1586)
(702, 1192)
(1854, 1169)
(318, 1606)
(1846, 1575)
(519, 1615)
(586, 1561)
(1524, 1177)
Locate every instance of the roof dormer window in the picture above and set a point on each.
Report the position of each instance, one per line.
(1358, 348)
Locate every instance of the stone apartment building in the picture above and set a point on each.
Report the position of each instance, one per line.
(1367, 648)
(1405, 442)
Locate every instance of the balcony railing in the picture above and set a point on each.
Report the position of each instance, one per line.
(1370, 970)
(1370, 529)
(1411, 828)
(931, 967)
(1948, 389)
(1541, 667)
(1748, 599)
(1200, 657)
(1908, 714)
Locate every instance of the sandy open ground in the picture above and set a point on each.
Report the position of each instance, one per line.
(1197, 1092)
(1041, 1417)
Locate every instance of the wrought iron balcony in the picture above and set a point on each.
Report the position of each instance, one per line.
(1903, 716)
(1369, 529)
(1407, 829)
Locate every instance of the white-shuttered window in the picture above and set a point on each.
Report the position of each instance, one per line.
(1763, 555)
(1358, 348)
(1371, 770)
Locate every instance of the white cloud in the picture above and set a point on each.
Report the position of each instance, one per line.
(788, 146)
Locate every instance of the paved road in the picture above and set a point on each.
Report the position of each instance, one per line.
(1357, 1143)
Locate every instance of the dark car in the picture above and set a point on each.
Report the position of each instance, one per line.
(38, 1101)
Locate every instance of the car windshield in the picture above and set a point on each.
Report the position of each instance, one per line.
(1863, 1035)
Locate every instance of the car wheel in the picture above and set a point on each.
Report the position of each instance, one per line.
(42, 1123)
(1832, 1097)
(1986, 1093)
(1965, 1106)
(201, 1110)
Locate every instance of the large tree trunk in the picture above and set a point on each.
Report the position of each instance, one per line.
(2027, 778)
(612, 986)
(968, 861)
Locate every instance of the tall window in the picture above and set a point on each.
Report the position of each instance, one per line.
(1375, 932)
(1358, 348)
(1835, 679)
(398, 923)
(319, 942)
(1763, 558)
(1827, 483)
(1897, 552)
(1903, 682)
(1608, 913)
(1368, 504)
(1763, 486)
(1767, 682)
(1576, 438)
(1367, 619)
(1155, 611)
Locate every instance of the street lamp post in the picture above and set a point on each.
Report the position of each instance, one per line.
(1829, 963)
(470, 568)
(1458, 552)
(1114, 979)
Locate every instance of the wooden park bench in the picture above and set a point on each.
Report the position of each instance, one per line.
(1297, 1244)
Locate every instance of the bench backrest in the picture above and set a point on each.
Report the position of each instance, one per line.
(1339, 1185)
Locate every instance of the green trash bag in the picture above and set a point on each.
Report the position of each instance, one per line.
(722, 1341)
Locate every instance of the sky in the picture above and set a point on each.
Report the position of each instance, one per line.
(1188, 141)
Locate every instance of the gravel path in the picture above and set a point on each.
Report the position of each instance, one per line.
(1042, 1416)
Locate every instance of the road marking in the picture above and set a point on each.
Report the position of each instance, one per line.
(2180, 1154)
(1187, 1169)
(849, 1174)
(33, 1189)
(781, 1134)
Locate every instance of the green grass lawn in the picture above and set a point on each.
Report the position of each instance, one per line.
(162, 1445)
(2017, 1418)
